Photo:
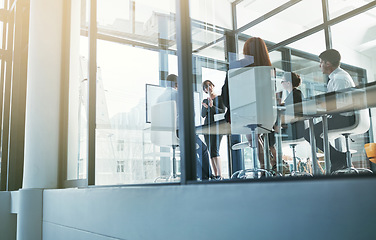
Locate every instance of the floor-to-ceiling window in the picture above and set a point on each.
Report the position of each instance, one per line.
(136, 48)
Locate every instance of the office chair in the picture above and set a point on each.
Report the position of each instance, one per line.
(163, 129)
(361, 125)
(253, 109)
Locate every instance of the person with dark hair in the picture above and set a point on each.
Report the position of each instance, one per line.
(171, 94)
(211, 106)
(256, 48)
(290, 82)
(338, 79)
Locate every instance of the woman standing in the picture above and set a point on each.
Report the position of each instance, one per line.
(211, 106)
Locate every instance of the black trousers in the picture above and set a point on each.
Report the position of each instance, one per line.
(336, 121)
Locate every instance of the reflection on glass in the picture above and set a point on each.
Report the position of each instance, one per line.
(289, 22)
(249, 10)
(123, 135)
(211, 13)
(314, 43)
(340, 7)
(313, 81)
(360, 48)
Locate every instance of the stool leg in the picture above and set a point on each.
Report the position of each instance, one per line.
(254, 148)
(348, 154)
(173, 162)
(266, 152)
(292, 146)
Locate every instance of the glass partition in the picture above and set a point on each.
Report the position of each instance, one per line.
(340, 7)
(137, 54)
(249, 10)
(359, 51)
(132, 82)
(288, 23)
(316, 43)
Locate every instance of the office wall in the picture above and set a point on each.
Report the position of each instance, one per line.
(323, 209)
(7, 219)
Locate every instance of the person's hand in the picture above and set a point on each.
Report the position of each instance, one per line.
(205, 105)
(210, 102)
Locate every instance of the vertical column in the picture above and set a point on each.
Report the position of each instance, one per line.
(43, 94)
(185, 88)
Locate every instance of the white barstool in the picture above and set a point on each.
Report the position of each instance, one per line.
(253, 109)
(361, 125)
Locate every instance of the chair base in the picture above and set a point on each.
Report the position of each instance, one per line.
(300, 174)
(352, 170)
(251, 174)
(170, 178)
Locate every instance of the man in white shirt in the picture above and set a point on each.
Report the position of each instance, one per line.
(171, 94)
(338, 80)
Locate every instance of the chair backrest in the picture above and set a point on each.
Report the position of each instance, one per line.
(163, 124)
(361, 125)
(252, 98)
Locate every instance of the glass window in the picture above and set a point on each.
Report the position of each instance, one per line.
(289, 22)
(249, 10)
(78, 105)
(359, 49)
(314, 43)
(340, 7)
(131, 82)
(120, 14)
(215, 13)
(209, 21)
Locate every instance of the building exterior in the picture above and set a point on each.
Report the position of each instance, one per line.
(78, 160)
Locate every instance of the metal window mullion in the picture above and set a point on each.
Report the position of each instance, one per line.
(64, 95)
(320, 27)
(268, 15)
(185, 90)
(328, 34)
(18, 96)
(6, 107)
(5, 77)
(92, 76)
(286, 60)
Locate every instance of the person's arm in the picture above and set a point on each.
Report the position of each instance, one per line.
(204, 109)
(224, 93)
(219, 107)
(225, 98)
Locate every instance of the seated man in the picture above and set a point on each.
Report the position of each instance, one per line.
(171, 94)
(338, 79)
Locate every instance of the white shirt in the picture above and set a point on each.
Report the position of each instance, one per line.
(170, 94)
(339, 79)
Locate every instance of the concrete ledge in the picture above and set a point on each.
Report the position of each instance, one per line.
(8, 221)
(329, 209)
